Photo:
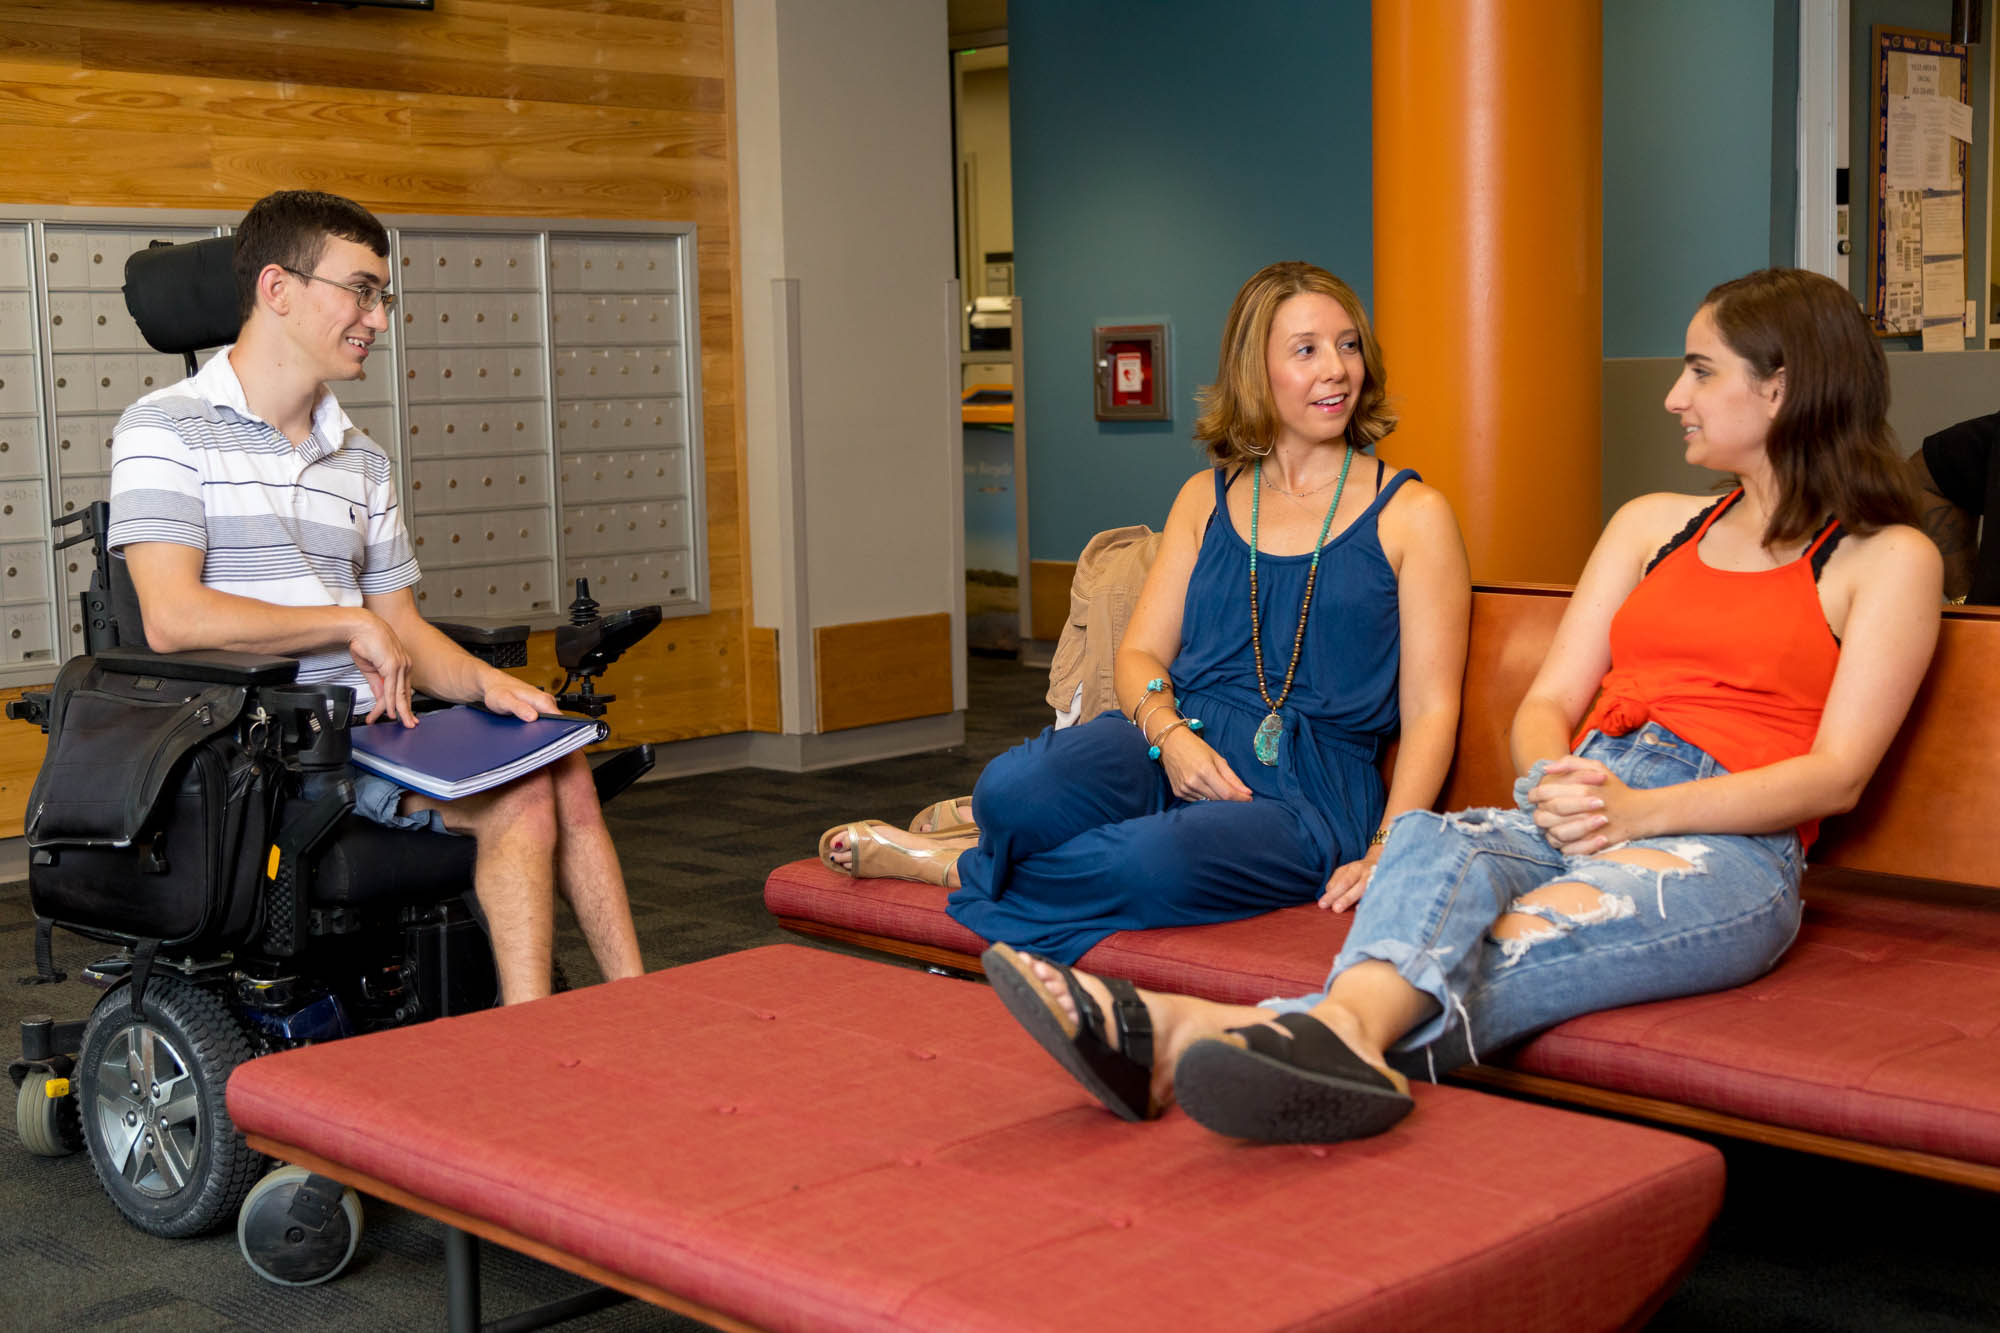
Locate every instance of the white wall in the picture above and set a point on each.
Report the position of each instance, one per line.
(845, 165)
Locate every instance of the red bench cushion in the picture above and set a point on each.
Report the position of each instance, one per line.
(1278, 953)
(1882, 1025)
(804, 1140)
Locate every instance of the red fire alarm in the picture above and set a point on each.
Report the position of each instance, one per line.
(1130, 361)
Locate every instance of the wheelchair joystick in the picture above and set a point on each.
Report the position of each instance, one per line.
(592, 642)
(32, 707)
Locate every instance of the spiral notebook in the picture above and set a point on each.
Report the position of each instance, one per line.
(466, 749)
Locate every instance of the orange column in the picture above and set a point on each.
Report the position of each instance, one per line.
(1489, 288)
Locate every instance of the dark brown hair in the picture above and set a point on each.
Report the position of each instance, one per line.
(1831, 449)
(291, 229)
(1238, 420)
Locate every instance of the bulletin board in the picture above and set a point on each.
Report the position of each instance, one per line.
(1919, 156)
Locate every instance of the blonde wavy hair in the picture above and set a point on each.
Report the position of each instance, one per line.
(1238, 420)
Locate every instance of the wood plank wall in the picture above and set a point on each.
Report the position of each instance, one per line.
(536, 108)
(1048, 591)
(874, 671)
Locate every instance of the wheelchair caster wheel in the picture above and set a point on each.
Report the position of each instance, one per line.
(297, 1229)
(49, 1126)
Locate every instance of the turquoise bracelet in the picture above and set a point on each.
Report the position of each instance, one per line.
(1191, 723)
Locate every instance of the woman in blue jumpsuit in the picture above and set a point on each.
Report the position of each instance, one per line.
(1250, 780)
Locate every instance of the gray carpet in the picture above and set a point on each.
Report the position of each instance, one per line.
(1802, 1243)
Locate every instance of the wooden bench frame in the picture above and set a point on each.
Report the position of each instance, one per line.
(461, 1256)
(1948, 750)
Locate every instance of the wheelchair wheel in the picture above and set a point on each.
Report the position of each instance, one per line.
(159, 1133)
(297, 1229)
(49, 1126)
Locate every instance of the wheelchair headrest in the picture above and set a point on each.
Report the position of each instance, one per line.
(184, 296)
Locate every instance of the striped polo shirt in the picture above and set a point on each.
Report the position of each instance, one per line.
(312, 525)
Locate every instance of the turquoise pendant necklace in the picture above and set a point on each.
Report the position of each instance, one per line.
(1270, 729)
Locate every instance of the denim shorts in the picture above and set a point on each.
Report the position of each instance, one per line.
(1444, 880)
(377, 800)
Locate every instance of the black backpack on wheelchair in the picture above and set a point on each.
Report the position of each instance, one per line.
(195, 811)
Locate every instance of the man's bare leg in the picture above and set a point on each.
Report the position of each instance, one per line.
(514, 874)
(588, 874)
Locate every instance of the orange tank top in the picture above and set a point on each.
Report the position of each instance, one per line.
(1737, 662)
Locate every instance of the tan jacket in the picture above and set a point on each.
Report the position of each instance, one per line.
(1109, 574)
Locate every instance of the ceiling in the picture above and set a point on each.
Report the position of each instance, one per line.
(977, 22)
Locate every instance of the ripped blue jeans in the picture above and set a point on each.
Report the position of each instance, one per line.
(1444, 881)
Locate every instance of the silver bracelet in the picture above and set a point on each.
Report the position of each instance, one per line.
(1193, 724)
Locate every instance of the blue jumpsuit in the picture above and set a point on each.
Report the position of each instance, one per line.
(1080, 834)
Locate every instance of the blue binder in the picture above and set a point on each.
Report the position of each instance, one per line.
(463, 750)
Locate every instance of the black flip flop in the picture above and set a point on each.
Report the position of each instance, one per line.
(1304, 1085)
(1121, 1078)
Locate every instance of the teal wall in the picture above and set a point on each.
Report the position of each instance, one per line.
(1693, 140)
(1162, 153)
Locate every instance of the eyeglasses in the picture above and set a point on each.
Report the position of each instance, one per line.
(365, 296)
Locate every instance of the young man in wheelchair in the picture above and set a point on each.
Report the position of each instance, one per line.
(253, 515)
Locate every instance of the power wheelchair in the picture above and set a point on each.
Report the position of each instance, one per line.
(195, 810)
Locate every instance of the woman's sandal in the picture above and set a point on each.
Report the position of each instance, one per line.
(872, 856)
(1121, 1078)
(1302, 1085)
(942, 818)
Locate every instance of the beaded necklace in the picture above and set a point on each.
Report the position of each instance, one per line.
(1269, 730)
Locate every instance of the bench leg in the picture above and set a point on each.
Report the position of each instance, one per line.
(555, 1312)
(461, 1280)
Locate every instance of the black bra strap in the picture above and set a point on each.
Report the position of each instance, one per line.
(1822, 546)
(1680, 538)
(1824, 550)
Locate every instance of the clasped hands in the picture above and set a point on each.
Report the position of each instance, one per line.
(1582, 807)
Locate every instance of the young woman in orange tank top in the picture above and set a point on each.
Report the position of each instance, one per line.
(1728, 672)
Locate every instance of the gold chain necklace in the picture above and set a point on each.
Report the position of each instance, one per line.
(1299, 495)
(1271, 728)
